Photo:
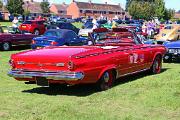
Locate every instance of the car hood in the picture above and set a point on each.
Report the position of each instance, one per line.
(173, 44)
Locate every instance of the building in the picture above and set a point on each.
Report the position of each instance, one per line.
(79, 9)
(59, 9)
(177, 15)
(4, 13)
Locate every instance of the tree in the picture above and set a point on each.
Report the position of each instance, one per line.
(1, 4)
(45, 6)
(141, 10)
(168, 14)
(15, 7)
(127, 4)
(159, 8)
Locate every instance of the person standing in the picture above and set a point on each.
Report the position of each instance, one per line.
(15, 22)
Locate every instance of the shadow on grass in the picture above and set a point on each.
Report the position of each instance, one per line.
(23, 47)
(18, 48)
(83, 90)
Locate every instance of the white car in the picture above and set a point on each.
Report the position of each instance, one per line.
(84, 32)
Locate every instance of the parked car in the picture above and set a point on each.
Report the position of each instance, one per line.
(36, 27)
(170, 32)
(86, 29)
(58, 37)
(101, 64)
(173, 53)
(63, 25)
(13, 37)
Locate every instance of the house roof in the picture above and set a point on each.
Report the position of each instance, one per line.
(99, 7)
(61, 7)
(33, 7)
(177, 15)
(4, 9)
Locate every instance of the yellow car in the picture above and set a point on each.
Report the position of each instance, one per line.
(170, 32)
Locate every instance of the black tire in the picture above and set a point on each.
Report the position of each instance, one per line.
(157, 65)
(54, 85)
(167, 61)
(6, 46)
(106, 81)
(36, 32)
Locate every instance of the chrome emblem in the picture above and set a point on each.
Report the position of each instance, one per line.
(60, 64)
(40, 65)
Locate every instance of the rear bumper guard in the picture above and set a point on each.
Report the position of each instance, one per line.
(57, 75)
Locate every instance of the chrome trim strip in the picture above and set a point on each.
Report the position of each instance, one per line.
(58, 75)
(132, 73)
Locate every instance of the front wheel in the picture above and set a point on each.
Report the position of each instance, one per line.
(6, 46)
(157, 65)
(36, 32)
(106, 81)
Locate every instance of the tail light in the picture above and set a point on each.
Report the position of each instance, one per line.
(11, 63)
(33, 42)
(71, 65)
(54, 43)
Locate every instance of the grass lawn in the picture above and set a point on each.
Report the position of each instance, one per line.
(77, 24)
(6, 23)
(140, 97)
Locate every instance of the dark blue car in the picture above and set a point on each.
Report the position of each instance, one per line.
(58, 37)
(173, 53)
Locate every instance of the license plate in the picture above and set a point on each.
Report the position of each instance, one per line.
(42, 81)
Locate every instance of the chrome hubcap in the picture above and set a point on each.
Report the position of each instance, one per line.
(106, 77)
(36, 32)
(6, 46)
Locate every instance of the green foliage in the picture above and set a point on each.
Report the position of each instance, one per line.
(1, 4)
(45, 6)
(147, 9)
(141, 10)
(15, 7)
(159, 8)
(26, 12)
(168, 14)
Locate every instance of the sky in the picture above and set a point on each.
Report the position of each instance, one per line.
(174, 4)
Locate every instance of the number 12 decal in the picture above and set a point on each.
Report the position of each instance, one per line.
(135, 58)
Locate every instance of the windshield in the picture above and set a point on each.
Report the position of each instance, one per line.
(53, 33)
(113, 37)
(27, 22)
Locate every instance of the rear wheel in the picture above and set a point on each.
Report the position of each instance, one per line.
(6, 46)
(106, 81)
(157, 65)
(36, 32)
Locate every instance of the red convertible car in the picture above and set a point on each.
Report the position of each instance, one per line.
(113, 56)
(10, 37)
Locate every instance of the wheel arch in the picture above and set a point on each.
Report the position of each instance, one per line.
(157, 54)
(112, 67)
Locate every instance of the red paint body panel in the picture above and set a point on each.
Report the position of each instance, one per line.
(17, 39)
(32, 27)
(92, 61)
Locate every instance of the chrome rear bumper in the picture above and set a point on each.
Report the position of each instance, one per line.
(54, 75)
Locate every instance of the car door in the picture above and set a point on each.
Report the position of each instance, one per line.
(141, 55)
